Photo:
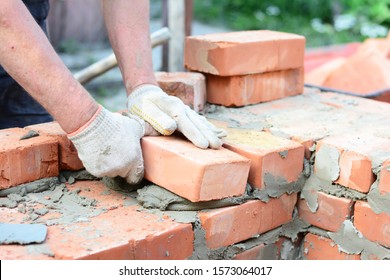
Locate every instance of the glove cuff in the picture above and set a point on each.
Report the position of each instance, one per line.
(97, 130)
(140, 90)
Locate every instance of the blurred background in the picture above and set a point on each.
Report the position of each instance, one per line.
(322, 22)
(77, 29)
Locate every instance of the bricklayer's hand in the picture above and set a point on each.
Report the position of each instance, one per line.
(167, 113)
(109, 145)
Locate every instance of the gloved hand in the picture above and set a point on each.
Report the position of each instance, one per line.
(109, 145)
(167, 113)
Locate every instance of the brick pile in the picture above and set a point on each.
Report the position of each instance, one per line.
(247, 67)
(360, 68)
(303, 177)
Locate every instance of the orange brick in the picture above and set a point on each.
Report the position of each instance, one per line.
(198, 175)
(23, 161)
(118, 230)
(321, 248)
(68, 157)
(354, 162)
(319, 75)
(254, 88)
(375, 227)
(373, 73)
(384, 178)
(190, 87)
(279, 157)
(229, 225)
(244, 52)
(308, 144)
(331, 213)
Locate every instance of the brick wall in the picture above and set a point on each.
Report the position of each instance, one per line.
(300, 177)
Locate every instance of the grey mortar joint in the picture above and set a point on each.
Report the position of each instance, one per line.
(277, 186)
(350, 241)
(314, 184)
(379, 203)
(327, 163)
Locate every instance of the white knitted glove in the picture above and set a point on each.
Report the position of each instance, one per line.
(168, 113)
(109, 145)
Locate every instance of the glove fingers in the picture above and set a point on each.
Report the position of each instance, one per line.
(136, 173)
(206, 128)
(160, 121)
(191, 131)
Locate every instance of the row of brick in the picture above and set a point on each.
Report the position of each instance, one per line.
(120, 230)
(371, 58)
(247, 67)
(247, 156)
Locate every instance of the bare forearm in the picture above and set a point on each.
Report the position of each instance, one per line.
(128, 28)
(26, 54)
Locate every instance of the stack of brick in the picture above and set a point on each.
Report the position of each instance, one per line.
(365, 72)
(247, 67)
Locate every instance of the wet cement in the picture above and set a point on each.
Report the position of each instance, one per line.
(39, 198)
(275, 187)
(156, 197)
(349, 240)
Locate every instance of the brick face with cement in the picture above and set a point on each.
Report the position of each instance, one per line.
(68, 158)
(23, 161)
(244, 52)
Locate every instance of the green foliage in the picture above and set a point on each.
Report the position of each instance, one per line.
(70, 46)
(323, 22)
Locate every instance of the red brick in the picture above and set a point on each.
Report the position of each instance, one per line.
(331, 213)
(244, 52)
(279, 157)
(373, 73)
(229, 225)
(355, 171)
(319, 75)
(196, 174)
(375, 227)
(321, 248)
(308, 144)
(119, 232)
(190, 87)
(254, 88)
(23, 161)
(384, 178)
(68, 157)
(354, 162)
